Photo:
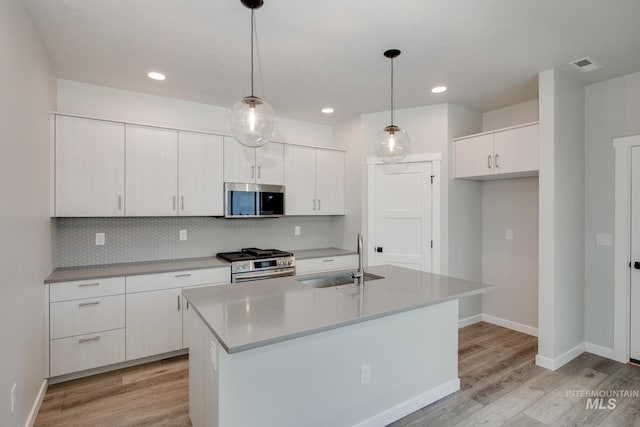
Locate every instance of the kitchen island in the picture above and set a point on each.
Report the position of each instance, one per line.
(278, 352)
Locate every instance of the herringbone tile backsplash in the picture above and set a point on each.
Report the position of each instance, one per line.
(157, 238)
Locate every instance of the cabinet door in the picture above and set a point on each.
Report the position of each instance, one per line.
(300, 180)
(200, 158)
(154, 322)
(474, 156)
(152, 171)
(239, 162)
(516, 150)
(89, 165)
(330, 182)
(270, 164)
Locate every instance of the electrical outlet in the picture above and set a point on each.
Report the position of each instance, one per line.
(365, 374)
(100, 239)
(296, 230)
(183, 234)
(509, 234)
(13, 397)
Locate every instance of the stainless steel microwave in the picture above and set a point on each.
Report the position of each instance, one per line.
(253, 200)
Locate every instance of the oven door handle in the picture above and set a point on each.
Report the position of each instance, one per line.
(246, 278)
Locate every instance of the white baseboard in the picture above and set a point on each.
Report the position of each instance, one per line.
(405, 408)
(607, 352)
(33, 414)
(525, 329)
(561, 360)
(483, 317)
(469, 320)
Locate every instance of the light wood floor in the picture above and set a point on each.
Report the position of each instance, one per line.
(500, 385)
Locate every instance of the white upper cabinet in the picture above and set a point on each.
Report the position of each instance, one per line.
(262, 165)
(330, 182)
(300, 180)
(314, 181)
(516, 150)
(474, 156)
(507, 153)
(89, 167)
(201, 186)
(151, 170)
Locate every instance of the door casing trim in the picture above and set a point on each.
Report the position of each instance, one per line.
(622, 246)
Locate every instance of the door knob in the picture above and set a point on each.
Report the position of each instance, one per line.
(636, 265)
(379, 249)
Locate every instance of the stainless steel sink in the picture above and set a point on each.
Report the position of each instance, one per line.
(334, 279)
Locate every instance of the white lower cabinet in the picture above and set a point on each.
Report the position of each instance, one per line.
(86, 325)
(84, 316)
(319, 265)
(87, 351)
(99, 322)
(154, 322)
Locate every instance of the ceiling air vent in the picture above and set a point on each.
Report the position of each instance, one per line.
(585, 64)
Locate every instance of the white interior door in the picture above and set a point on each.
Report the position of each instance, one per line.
(634, 341)
(403, 216)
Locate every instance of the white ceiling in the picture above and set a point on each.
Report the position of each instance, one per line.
(329, 52)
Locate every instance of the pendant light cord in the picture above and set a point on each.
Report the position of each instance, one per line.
(391, 91)
(253, 24)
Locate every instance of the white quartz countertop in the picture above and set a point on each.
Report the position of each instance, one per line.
(66, 274)
(255, 314)
(90, 272)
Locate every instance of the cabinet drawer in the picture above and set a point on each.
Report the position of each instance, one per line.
(64, 291)
(178, 279)
(69, 318)
(86, 351)
(313, 265)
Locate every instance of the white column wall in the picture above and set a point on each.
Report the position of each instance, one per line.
(28, 88)
(561, 237)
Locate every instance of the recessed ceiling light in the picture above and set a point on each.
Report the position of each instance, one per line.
(327, 110)
(439, 89)
(156, 76)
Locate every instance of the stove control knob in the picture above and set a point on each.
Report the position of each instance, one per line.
(242, 267)
(289, 262)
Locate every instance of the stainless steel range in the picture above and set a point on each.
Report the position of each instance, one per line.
(255, 264)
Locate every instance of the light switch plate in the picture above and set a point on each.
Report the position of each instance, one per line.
(509, 234)
(100, 239)
(296, 230)
(603, 239)
(183, 234)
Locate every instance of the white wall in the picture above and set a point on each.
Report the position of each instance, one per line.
(27, 85)
(511, 265)
(464, 213)
(431, 130)
(348, 136)
(103, 102)
(561, 210)
(512, 115)
(612, 110)
(427, 130)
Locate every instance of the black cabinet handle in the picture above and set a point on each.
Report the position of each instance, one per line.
(379, 249)
(636, 265)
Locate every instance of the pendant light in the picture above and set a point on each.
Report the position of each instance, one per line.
(251, 119)
(392, 143)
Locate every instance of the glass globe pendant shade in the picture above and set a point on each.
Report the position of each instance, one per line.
(392, 144)
(252, 121)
